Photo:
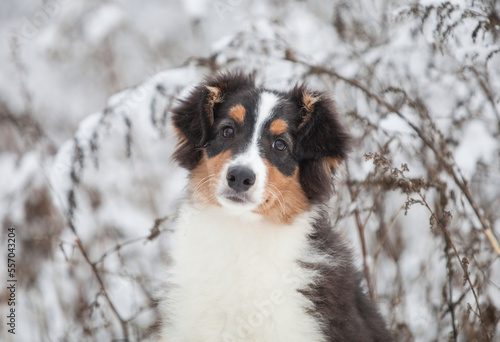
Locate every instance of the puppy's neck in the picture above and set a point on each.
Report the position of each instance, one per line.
(232, 226)
(241, 270)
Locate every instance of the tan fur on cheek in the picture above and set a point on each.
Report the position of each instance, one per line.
(204, 178)
(238, 113)
(278, 126)
(285, 198)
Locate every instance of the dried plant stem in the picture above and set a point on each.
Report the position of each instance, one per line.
(366, 270)
(450, 166)
(451, 306)
(488, 93)
(119, 247)
(390, 224)
(93, 266)
(361, 230)
(447, 234)
(155, 231)
(449, 274)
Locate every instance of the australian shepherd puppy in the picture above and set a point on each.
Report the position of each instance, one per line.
(256, 258)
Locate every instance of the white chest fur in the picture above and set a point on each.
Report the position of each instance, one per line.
(236, 279)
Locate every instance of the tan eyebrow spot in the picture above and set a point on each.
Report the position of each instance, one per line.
(278, 126)
(238, 112)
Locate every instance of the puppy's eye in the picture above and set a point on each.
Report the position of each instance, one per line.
(227, 132)
(279, 145)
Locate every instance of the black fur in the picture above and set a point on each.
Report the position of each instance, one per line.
(321, 136)
(347, 313)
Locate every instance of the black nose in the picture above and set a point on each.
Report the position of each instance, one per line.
(240, 178)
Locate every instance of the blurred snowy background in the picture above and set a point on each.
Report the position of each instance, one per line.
(93, 196)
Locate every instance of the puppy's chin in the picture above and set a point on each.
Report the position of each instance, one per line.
(236, 204)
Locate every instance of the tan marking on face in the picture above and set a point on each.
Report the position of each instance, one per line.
(238, 113)
(204, 178)
(284, 196)
(308, 100)
(214, 96)
(278, 126)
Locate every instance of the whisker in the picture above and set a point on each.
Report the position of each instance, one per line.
(202, 182)
(279, 201)
(267, 205)
(282, 203)
(266, 208)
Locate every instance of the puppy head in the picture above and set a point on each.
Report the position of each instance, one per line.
(252, 150)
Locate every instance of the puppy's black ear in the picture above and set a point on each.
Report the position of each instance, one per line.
(194, 116)
(322, 141)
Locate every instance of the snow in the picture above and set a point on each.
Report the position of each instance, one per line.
(476, 145)
(101, 77)
(102, 22)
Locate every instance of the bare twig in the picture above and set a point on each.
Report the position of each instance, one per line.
(390, 224)
(487, 92)
(155, 231)
(451, 305)
(361, 231)
(119, 247)
(78, 241)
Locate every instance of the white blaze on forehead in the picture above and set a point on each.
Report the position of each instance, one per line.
(264, 111)
(267, 103)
